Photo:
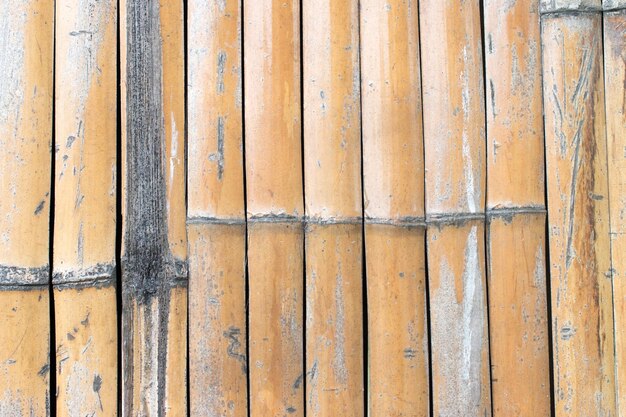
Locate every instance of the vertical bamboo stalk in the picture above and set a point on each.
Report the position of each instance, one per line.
(393, 182)
(332, 161)
(578, 214)
(615, 98)
(85, 207)
(274, 206)
(26, 57)
(216, 214)
(154, 248)
(516, 244)
(454, 143)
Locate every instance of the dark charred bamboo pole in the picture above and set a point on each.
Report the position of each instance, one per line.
(154, 271)
(274, 206)
(576, 164)
(393, 194)
(454, 144)
(516, 242)
(26, 62)
(85, 208)
(334, 234)
(216, 214)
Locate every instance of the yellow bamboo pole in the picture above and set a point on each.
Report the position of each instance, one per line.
(576, 164)
(274, 206)
(333, 250)
(26, 57)
(154, 252)
(85, 208)
(454, 144)
(393, 189)
(216, 214)
(516, 243)
(615, 93)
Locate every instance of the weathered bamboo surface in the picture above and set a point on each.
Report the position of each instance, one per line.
(399, 208)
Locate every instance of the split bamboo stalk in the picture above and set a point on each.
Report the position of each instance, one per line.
(85, 207)
(582, 316)
(216, 213)
(274, 206)
(516, 243)
(334, 234)
(454, 143)
(154, 251)
(615, 97)
(393, 188)
(26, 58)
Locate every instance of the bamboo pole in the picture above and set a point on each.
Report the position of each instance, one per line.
(85, 208)
(393, 188)
(516, 243)
(615, 98)
(154, 252)
(274, 206)
(582, 316)
(454, 143)
(26, 58)
(216, 214)
(333, 249)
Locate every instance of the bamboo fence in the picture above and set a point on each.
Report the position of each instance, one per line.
(398, 208)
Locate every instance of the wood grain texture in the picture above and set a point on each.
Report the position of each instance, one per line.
(615, 98)
(582, 316)
(454, 108)
(26, 62)
(85, 207)
(393, 154)
(515, 146)
(153, 206)
(276, 271)
(398, 374)
(458, 317)
(518, 318)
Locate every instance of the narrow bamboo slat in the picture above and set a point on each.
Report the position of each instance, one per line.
(274, 206)
(154, 246)
(334, 235)
(85, 208)
(516, 242)
(615, 94)
(216, 213)
(582, 316)
(26, 62)
(454, 145)
(393, 194)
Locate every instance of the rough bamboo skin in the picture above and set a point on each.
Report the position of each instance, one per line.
(154, 294)
(274, 206)
(570, 5)
(613, 5)
(454, 148)
(85, 204)
(216, 215)
(582, 316)
(615, 94)
(393, 195)
(518, 318)
(26, 57)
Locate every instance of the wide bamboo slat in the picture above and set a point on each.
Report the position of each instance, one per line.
(582, 307)
(516, 243)
(454, 149)
(85, 208)
(154, 324)
(26, 62)
(274, 206)
(216, 215)
(615, 98)
(334, 235)
(393, 195)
